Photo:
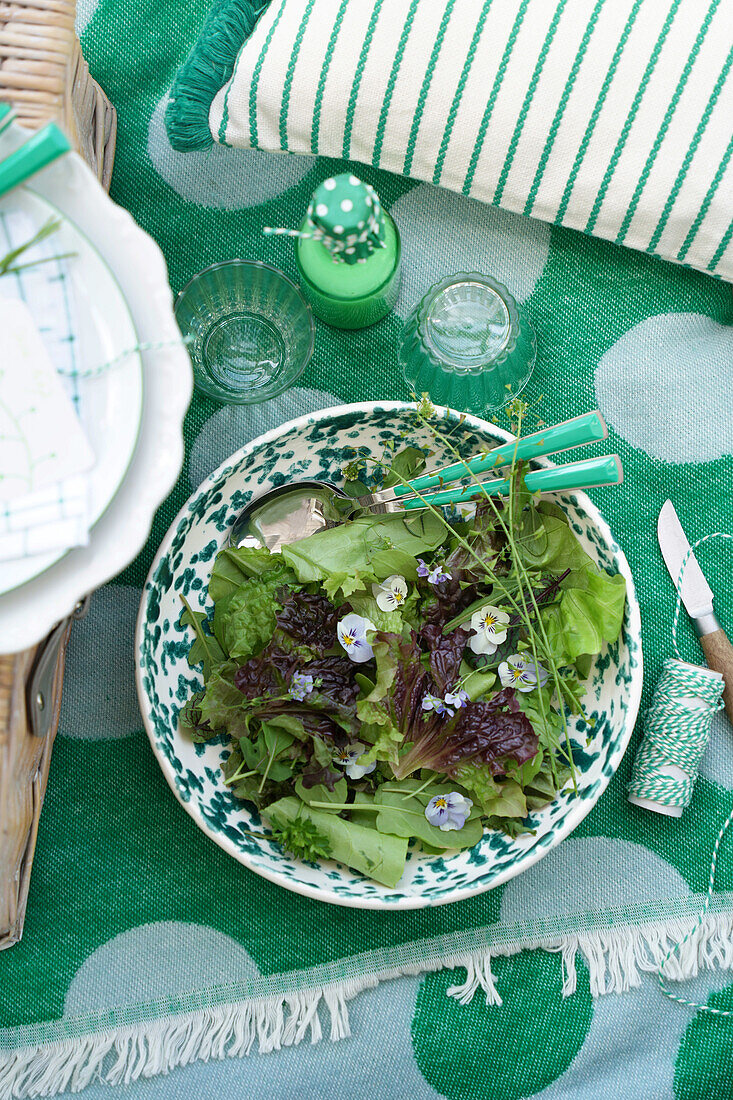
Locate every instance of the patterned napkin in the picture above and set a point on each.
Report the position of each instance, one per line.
(44, 453)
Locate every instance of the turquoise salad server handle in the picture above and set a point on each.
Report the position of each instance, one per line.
(604, 470)
(40, 150)
(588, 428)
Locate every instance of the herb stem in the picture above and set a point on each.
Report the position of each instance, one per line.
(239, 775)
(270, 759)
(372, 807)
(508, 532)
(420, 789)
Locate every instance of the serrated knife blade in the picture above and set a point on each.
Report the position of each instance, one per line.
(697, 595)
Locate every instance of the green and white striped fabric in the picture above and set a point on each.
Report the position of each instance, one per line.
(614, 117)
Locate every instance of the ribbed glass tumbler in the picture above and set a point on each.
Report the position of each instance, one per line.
(250, 330)
(468, 344)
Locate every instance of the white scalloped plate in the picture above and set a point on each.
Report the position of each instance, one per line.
(30, 611)
(110, 405)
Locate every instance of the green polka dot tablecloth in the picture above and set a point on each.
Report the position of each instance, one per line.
(138, 926)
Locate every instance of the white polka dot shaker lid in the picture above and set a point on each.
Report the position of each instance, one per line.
(348, 218)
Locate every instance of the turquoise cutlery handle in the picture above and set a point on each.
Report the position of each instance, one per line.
(560, 437)
(605, 470)
(44, 147)
(7, 114)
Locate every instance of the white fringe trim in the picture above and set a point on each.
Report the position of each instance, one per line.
(616, 959)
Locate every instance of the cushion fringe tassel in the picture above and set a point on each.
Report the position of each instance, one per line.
(616, 958)
(208, 68)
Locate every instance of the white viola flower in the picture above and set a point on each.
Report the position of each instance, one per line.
(390, 594)
(522, 673)
(348, 759)
(351, 633)
(454, 700)
(301, 684)
(448, 811)
(490, 628)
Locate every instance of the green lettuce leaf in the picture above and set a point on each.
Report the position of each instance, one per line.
(406, 464)
(234, 566)
(590, 612)
(385, 563)
(205, 649)
(495, 798)
(349, 547)
(403, 814)
(248, 621)
(387, 622)
(546, 542)
(377, 855)
(321, 793)
(223, 705)
(346, 584)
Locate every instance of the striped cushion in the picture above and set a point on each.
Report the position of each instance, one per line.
(611, 116)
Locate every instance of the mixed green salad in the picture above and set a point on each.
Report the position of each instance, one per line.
(401, 677)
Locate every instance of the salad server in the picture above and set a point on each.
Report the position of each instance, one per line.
(36, 153)
(697, 596)
(292, 512)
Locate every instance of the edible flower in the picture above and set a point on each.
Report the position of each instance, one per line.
(433, 702)
(522, 673)
(489, 625)
(390, 594)
(448, 811)
(436, 575)
(351, 633)
(301, 684)
(348, 758)
(454, 700)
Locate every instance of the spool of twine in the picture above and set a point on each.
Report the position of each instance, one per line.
(676, 733)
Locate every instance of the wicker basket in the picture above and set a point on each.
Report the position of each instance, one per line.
(45, 77)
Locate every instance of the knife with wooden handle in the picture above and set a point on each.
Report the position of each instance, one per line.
(697, 596)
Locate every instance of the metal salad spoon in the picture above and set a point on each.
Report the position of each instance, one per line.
(292, 512)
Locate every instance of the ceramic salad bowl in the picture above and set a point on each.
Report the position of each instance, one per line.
(318, 446)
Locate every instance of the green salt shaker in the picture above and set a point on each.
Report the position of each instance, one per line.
(348, 253)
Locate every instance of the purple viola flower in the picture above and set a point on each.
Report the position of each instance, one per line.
(301, 684)
(433, 702)
(435, 574)
(438, 574)
(454, 700)
(448, 811)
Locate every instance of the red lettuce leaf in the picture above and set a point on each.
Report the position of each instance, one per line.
(308, 620)
(484, 733)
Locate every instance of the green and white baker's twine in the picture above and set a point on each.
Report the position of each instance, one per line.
(145, 345)
(676, 732)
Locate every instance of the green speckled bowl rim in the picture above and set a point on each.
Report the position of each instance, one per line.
(393, 899)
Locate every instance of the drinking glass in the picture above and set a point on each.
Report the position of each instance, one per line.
(468, 344)
(250, 330)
